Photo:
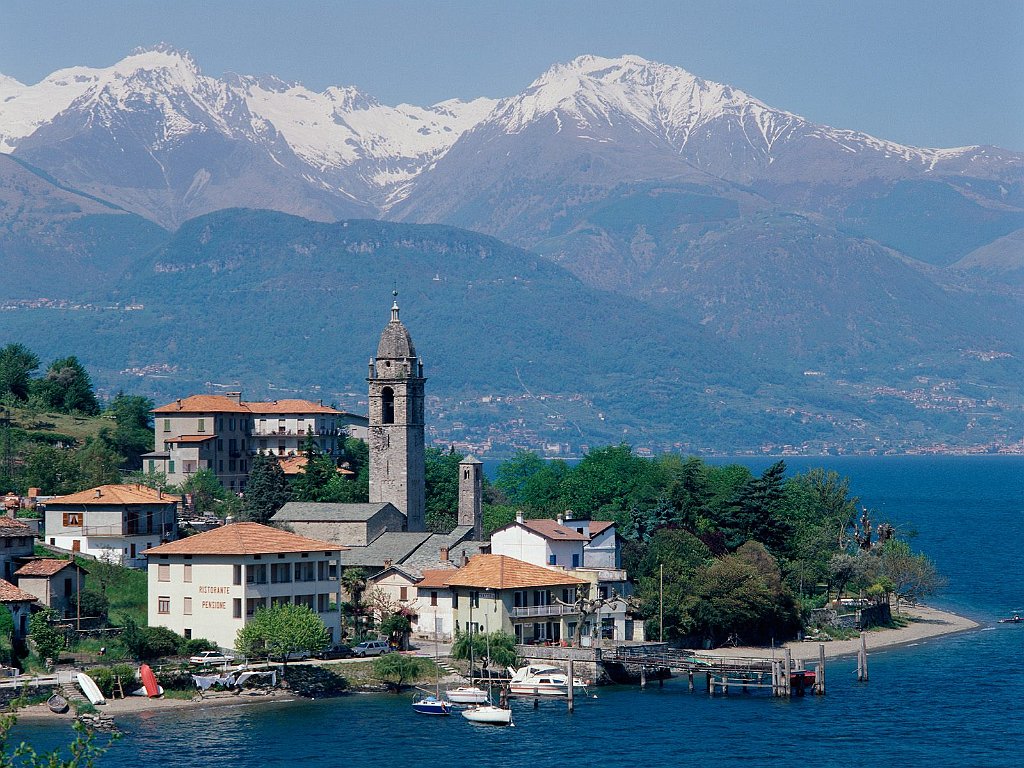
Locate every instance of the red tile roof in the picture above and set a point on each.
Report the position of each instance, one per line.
(203, 404)
(10, 526)
(44, 566)
(291, 406)
(596, 526)
(293, 465)
(189, 439)
(436, 579)
(243, 539)
(503, 572)
(550, 529)
(116, 494)
(11, 594)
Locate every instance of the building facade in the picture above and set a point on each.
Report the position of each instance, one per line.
(531, 602)
(114, 523)
(396, 424)
(54, 583)
(211, 584)
(17, 544)
(222, 433)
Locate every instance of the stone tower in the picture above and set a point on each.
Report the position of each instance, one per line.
(397, 463)
(471, 490)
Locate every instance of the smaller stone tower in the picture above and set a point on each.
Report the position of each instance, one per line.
(471, 491)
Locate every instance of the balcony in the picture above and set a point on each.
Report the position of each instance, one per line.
(532, 611)
(285, 432)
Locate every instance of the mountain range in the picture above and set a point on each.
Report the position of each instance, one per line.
(794, 251)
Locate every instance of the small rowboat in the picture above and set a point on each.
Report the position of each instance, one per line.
(57, 704)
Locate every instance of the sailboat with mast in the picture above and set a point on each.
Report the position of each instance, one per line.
(488, 712)
(433, 703)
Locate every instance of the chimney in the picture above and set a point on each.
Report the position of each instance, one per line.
(236, 396)
(465, 559)
(33, 493)
(387, 563)
(519, 516)
(99, 493)
(560, 520)
(569, 514)
(444, 554)
(159, 493)
(179, 403)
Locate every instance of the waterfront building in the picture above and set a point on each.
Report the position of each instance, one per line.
(112, 522)
(17, 544)
(211, 584)
(396, 416)
(54, 583)
(497, 592)
(19, 603)
(590, 550)
(222, 433)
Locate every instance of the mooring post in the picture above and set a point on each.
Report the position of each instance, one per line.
(819, 675)
(689, 678)
(571, 679)
(777, 677)
(643, 676)
(788, 672)
(709, 683)
(862, 660)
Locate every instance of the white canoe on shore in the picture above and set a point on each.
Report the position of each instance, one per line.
(90, 689)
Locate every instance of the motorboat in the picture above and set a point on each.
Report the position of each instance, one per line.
(466, 694)
(431, 705)
(538, 679)
(489, 714)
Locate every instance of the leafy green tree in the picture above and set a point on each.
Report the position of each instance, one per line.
(92, 603)
(442, 486)
(6, 635)
(267, 490)
(53, 470)
(133, 434)
(208, 495)
(47, 639)
(612, 479)
(280, 630)
(736, 600)
(397, 627)
(310, 484)
(97, 465)
(66, 387)
(488, 648)
(690, 494)
(17, 362)
(912, 576)
(666, 577)
(514, 474)
(396, 670)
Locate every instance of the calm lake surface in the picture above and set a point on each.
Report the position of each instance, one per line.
(953, 701)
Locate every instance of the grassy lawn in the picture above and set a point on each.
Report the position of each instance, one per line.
(78, 427)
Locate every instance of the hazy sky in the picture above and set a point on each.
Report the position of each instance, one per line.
(925, 73)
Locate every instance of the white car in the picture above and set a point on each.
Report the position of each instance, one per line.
(371, 648)
(211, 657)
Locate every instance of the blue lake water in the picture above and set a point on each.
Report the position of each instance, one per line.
(953, 701)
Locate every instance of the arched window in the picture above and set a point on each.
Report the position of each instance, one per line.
(387, 405)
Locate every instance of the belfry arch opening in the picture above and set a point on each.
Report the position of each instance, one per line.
(387, 406)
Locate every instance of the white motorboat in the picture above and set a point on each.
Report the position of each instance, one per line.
(540, 679)
(489, 714)
(466, 694)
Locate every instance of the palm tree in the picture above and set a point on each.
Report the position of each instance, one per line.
(354, 582)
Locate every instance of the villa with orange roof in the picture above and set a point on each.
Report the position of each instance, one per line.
(496, 592)
(222, 433)
(112, 522)
(211, 584)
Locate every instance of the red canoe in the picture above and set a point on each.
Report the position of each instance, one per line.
(149, 681)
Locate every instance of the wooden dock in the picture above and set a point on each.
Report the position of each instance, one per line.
(778, 673)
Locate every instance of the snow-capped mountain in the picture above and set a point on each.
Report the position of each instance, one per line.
(156, 135)
(174, 143)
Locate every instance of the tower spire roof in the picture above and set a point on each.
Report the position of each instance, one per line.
(395, 341)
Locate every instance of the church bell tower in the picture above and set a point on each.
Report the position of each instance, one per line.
(397, 462)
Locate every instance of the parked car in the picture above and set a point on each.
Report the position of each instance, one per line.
(371, 648)
(211, 657)
(334, 652)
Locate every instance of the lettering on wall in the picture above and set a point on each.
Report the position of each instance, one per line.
(207, 590)
(217, 605)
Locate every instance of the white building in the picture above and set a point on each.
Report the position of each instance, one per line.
(112, 522)
(425, 596)
(210, 584)
(589, 550)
